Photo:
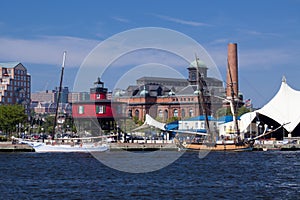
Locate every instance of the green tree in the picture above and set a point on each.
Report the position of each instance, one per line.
(225, 111)
(48, 124)
(242, 110)
(69, 124)
(172, 119)
(10, 116)
(137, 121)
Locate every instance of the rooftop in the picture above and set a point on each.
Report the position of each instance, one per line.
(9, 64)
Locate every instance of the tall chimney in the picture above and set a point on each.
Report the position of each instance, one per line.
(233, 67)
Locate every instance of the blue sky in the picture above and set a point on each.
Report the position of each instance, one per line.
(267, 32)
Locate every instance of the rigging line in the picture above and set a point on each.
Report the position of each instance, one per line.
(261, 96)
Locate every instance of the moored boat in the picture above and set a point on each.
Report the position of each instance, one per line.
(89, 144)
(84, 144)
(219, 147)
(84, 148)
(209, 140)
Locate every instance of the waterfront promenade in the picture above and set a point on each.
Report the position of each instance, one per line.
(9, 147)
(158, 145)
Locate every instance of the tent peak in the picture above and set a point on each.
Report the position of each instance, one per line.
(283, 79)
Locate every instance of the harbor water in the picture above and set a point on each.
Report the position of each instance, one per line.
(219, 175)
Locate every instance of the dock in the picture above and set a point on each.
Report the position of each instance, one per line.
(154, 146)
(10, 147)
(143, 146)
(291, 144)
(268, 147)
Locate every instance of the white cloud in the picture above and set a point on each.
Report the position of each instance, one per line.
(266, 58)
(219, 41)
(258, 33)
(46, 49)
(121, 19)
(255, 59)
(181, 21)
(49, 50)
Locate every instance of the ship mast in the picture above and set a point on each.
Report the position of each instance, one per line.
(201, 84)
(59, 93)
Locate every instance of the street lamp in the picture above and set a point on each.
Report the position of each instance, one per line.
(42, 130)
(17, 130)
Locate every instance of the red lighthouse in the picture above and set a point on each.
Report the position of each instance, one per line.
(98, 114)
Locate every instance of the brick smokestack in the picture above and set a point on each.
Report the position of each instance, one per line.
(233, 66)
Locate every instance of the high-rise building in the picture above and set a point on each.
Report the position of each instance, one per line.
(44, 96)
(51, 95)
(15, 84)
(44, 102)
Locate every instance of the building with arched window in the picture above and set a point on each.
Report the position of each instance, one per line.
(166, 98)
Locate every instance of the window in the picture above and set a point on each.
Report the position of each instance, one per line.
(166, 115)
(196, 125)
(97, 96)
(129, 113)
(100, 109)
(202, 126)
(137, 113)
(175, 113)
(191, 113)
(186, 125)
(80, 109)
(160, 114)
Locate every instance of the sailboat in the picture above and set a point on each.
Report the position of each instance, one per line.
(69, 145)
(89, 144)
(208, 141)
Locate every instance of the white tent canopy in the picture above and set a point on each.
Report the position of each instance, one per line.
(151, 122)
(283, 108)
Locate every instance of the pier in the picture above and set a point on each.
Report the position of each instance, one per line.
(143, 146)
(10, 147)
(154, 146)
(272, 147)
(290, 144)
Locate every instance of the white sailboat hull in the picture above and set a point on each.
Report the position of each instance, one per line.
(85, 148)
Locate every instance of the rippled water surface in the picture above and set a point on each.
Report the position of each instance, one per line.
(220, 175)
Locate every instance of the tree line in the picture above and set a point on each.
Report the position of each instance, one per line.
(10, 117)
(13, 120)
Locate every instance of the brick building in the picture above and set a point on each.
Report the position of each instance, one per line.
(15, 85)
(164, 98)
